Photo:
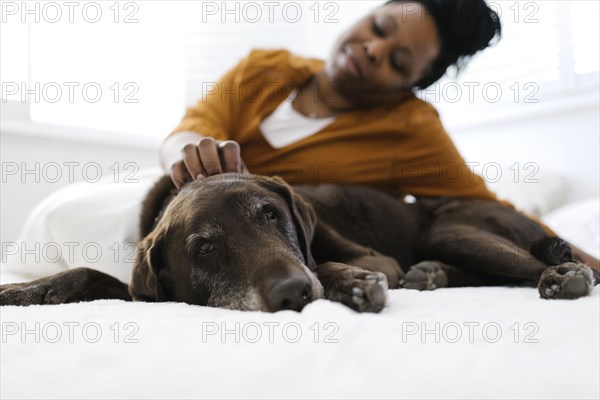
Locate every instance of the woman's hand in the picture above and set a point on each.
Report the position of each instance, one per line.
(201, 157)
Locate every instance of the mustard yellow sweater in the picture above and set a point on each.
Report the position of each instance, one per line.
(401, 148)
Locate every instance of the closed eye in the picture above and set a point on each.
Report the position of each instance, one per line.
(377, 29)
(397, 66)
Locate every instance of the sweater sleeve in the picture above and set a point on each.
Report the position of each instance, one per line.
(214, 114)
(436, 168)
(430, 164)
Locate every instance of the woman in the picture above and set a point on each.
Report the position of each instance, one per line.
(364, 123)
(350, 119)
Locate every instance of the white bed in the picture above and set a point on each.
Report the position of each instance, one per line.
(478, 343)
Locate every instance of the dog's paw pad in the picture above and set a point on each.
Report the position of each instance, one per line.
(552, 291)
(370, 298)
(426, 275)
(357, 296)
(368, 293)
(566, 281)
(53, 297)
(49, 296)
(381, 279)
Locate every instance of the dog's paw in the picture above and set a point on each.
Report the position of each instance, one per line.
(355, 287)
(27, 294)
(361, 290)
(384, 264)
(566, 281)
(368, 292)
(426, 275)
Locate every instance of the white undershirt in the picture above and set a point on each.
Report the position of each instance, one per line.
(286, 126)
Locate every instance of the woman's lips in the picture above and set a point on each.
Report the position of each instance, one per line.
(351, 63)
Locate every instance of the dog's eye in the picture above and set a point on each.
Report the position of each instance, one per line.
(206, 248)
(270, 216)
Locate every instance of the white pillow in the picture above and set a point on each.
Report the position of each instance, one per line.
(81, 225)
(578, 223)
(537, 195)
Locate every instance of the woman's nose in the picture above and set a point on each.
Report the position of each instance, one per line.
(374, 49)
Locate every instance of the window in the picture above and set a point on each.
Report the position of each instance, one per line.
(107, 66)
(133, 66)
(549, 51)
(215, 42)
(14, 66)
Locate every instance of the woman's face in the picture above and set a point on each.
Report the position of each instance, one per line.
(384, 54)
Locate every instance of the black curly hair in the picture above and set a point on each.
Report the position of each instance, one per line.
(465, 27)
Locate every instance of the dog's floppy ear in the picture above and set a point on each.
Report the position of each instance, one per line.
(155, 202)
(149, 270)
(303, 215)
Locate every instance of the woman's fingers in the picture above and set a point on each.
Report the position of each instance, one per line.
(230, 154)
(179, 174)
(209, 156)
(244, 168)
(206, 158)
(191, 159)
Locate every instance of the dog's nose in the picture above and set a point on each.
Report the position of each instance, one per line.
(293, 293)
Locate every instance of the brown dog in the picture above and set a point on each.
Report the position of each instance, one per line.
(254, 243)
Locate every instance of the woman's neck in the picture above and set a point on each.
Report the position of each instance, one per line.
(319, 98)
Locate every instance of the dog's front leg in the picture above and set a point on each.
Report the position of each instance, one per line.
(329, 246)
(355, 287)
(74, 285)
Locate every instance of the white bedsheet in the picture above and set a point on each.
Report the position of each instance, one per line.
(511, 344)
(556, 355)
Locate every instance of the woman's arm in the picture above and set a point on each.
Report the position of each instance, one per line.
(434, 165)
(170, 150)
(203, 143)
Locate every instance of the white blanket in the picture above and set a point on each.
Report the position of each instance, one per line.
(450, 343)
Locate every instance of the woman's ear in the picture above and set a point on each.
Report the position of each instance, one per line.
(149, 270)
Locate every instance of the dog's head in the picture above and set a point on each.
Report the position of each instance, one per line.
(232, 241)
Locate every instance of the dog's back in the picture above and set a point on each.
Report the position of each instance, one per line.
(367, 216)
(396, 228)
(375, 219)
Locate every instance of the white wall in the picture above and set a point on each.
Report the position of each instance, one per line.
(565, 143)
